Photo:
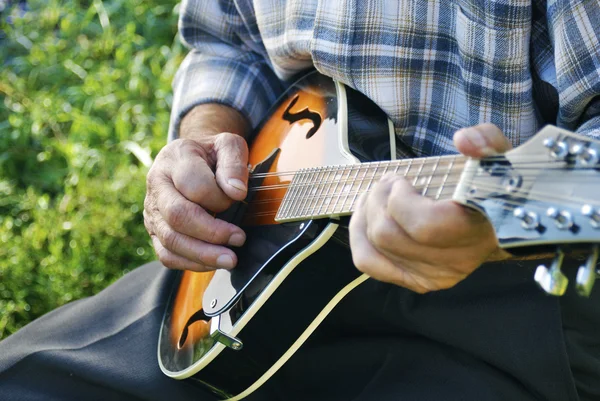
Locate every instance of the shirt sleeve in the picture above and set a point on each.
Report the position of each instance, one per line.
(226, 64)
(576, 34)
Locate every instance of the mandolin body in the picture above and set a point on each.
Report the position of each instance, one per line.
(225, 330)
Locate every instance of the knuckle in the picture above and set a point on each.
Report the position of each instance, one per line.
(148, 224)
(422, 233)
(229, 138)
(170, 239)
(216, 233)
(382, 233)
(166, 258)
(195, 188)
(177, 214)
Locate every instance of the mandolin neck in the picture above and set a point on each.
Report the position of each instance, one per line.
(334, 190)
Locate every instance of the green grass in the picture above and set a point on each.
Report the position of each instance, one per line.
(84, 106)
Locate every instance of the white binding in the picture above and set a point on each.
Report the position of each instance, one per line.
(342, 101)
(392, 133)
(303, 337)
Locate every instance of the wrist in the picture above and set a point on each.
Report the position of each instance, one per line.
(211, 119)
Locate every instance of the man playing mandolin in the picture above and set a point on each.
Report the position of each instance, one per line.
(450, 315)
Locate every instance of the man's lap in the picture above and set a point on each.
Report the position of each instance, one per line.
(380, 343)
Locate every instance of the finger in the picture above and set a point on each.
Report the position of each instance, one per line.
(383, 232)
(371, 262)
(232, 165)
(194, 250)
(172, 261)
(190, 219)
(481, 141)
(195, 180)
(436, 223)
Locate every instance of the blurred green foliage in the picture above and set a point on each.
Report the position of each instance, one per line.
(84, 106)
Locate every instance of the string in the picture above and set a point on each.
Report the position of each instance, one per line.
(530, 195)
(571, 178)
(507, 204)
(541, 161)
(441, 173)
(321, 185)
(542, 196)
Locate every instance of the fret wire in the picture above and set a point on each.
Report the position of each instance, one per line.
(431, 174)
(289, 195)
(368, 185)
(324, 200)
(410, 162)
(309, 207)
(445, 179)
(348, 193)
(351, 181)
(324, 193)
(385, 170)
(292, 192)
(337, 199)
(417, 175)
(331, 207)
(295, 208)
(358, 191)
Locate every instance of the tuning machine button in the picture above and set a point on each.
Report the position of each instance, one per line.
(586, 275)
(562, 218)
(585, 155)
(593, 214)
(552, 280)
(558, 149)
(529, 220)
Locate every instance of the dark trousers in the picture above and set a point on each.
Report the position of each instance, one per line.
(495, 336)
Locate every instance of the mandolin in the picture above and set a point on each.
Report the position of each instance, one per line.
(321, 147)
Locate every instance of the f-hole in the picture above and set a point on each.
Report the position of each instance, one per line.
(196, 317)
(304, 114)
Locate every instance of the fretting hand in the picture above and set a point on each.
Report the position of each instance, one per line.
(401, 237)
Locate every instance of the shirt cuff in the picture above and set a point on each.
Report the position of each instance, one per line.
(251, 88)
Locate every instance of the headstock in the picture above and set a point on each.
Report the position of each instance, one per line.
(543, 193)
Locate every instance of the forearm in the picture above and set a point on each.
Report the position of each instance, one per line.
(213, 118)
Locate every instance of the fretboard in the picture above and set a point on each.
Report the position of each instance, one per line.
(334, 190)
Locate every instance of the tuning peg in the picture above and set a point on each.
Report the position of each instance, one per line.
(529, 220)
(558, 149)
(585, 155)
(592, 213)
(552, 280)
(586, 275)
(562, 218)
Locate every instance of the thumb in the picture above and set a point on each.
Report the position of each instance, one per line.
(231, 173)
(481, 141)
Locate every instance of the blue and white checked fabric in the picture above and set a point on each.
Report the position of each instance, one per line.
(433, 66)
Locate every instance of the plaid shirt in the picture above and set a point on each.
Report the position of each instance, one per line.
(433, 66)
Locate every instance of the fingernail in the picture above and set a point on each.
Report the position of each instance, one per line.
(225, 261)
(476, 138)
(236, 239)
(487, 151)
(237, 184)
